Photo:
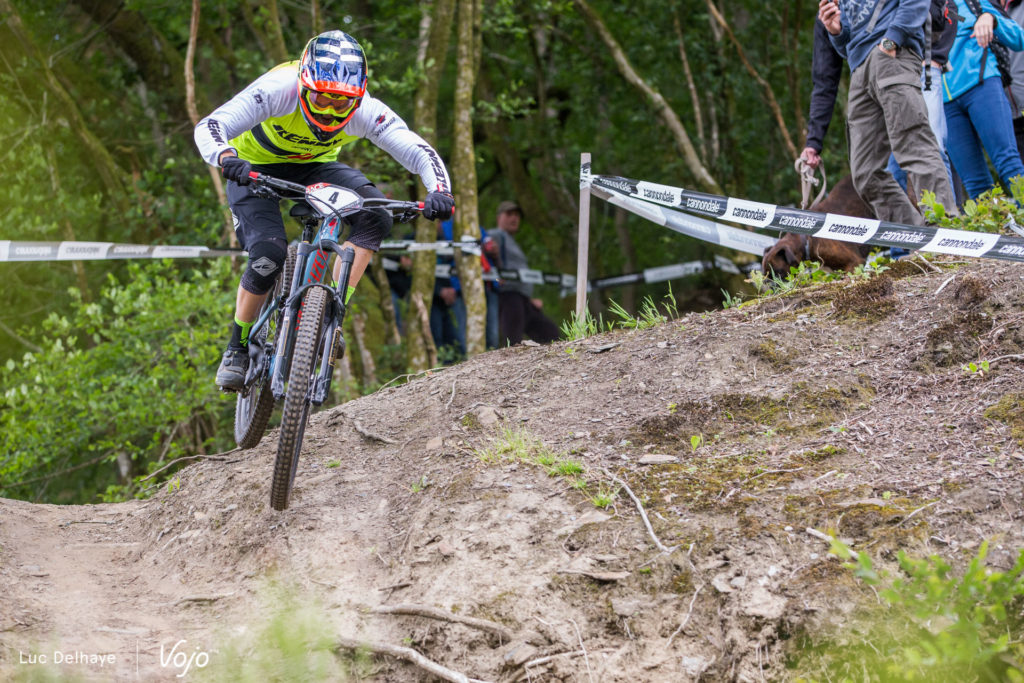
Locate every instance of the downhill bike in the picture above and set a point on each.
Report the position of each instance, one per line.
(297, 338)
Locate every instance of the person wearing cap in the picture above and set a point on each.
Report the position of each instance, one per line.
(519, 314)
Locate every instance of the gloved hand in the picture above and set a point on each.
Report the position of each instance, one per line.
(438, 205)
(233, 168)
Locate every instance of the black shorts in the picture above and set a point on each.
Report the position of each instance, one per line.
(258, 219)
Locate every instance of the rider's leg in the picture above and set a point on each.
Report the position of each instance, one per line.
(260, 230)
(369, 228)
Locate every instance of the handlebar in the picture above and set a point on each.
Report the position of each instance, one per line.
(277, 188)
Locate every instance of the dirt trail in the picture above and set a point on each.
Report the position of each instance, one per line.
(840, 408)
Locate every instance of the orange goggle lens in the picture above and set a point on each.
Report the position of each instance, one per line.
(327, 100)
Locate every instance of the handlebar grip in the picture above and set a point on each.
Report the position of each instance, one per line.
(420, 205)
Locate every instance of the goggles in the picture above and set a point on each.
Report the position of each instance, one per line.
(327, 100)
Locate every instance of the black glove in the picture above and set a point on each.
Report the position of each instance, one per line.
(438, 205)
(236, 169)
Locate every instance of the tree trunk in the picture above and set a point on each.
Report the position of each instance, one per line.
(769, 95)
(365, 355)
(667, 114)
(316, 18)
(156, 58)
(422, 320)
(698, 118)
(110, 174)
(66, 227)
(263, 18)
(193, 115)
(417, 337)
(467, 221)
(387, 305)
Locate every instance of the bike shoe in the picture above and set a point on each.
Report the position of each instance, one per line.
(231, 373)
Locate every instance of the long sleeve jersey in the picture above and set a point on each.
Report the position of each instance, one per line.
(263, 124)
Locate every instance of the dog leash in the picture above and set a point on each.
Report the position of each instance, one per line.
(808, 181)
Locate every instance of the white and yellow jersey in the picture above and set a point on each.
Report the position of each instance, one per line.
(264, 125)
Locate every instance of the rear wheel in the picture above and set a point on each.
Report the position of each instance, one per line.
(296, 401)
(254, 407)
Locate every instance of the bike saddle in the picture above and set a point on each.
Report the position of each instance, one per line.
(301, 210)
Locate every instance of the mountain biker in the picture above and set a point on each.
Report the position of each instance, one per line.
(291, 123)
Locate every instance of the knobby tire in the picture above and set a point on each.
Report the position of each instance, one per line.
(253, 411)
(296, 400)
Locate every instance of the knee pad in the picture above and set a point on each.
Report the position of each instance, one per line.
(265, 261)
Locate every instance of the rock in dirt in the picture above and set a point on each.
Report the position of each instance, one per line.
(591, 517)
(759, 602)
(486, 415)
(721, 584)
(435, 444)
(658, 459)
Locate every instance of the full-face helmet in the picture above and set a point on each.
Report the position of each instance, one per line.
(332, 82)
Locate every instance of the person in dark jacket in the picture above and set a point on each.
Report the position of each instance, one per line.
(884, 45)
(827, 70)
(519, 313)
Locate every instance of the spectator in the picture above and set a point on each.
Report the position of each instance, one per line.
(448, 302)
(826, 70)
(883, 43)
(488, 267)
(1015, 8)
(519, 313)
(977, 110)
(943, 30)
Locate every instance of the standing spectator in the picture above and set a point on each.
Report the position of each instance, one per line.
(977, 110)
(883, 43)
(1015, 8)
(488, 267)
(447, 302)
(826, 70)
(519, 313)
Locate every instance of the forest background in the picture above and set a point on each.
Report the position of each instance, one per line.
(107, 367)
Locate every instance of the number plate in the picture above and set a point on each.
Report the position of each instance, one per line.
(328, 199)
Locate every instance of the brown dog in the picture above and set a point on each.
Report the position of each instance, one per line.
(792, 248)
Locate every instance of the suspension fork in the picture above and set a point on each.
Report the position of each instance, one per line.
(334, 346)
(286, 338)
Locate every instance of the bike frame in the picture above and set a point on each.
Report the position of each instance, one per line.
(312, 259)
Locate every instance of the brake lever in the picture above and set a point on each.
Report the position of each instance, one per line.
(265, 192)
(407, 216)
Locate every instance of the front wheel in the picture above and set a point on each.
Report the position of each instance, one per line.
(255, 404)
(296, 400)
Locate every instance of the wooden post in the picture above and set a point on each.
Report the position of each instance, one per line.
(583, 246)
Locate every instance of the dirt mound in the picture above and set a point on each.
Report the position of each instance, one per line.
(737, 430)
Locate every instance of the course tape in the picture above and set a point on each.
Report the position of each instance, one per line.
(692, 226)
(674, 271)
(101, 251)
(831, 226)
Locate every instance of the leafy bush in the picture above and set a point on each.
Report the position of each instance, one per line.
(128, 375)
(934, 626)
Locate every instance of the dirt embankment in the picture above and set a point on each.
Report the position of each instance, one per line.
(840, 408)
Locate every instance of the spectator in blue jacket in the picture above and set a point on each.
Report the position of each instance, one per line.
(977, 110)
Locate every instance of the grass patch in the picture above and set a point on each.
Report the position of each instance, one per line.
(933, 625)
(291, 640)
